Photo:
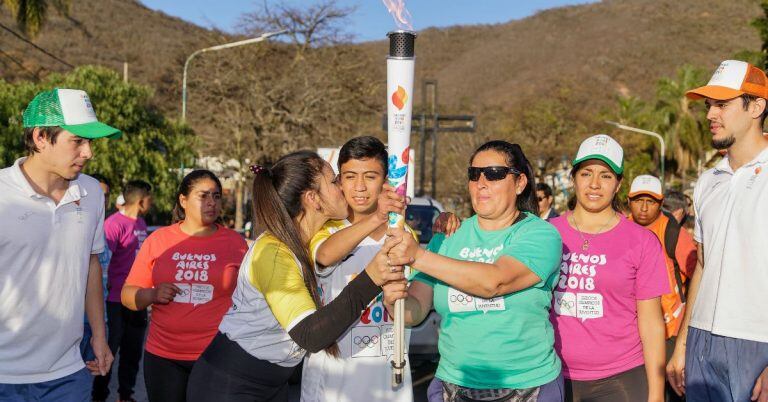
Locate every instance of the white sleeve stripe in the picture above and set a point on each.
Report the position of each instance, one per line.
(298, 319)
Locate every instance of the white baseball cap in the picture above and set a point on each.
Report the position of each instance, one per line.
(646, 185)
(604, 148)
(732, 79)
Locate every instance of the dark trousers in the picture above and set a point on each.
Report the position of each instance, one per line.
(720, 368)
(629, 386)
(226, 372)
(166, 379)
(126, 330)
(669, 393)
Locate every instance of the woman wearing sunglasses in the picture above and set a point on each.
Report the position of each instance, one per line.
(492, 283)
(607, 308)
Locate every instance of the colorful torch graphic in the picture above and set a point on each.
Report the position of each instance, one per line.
(400, 65)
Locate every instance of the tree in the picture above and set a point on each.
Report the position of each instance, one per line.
(151, 149)
(679, 120)
(758, 58)
(271, 99)
(31, 15)
(317, 25)
(672, 115)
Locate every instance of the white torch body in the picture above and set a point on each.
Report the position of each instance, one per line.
(400, 72)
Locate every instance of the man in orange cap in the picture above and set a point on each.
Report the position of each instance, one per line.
(721, 353)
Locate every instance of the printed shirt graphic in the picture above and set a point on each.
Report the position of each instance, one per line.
(595, 304)
(124, 238)
(269, 300)
(507, 341)
(205, 268)
(685, 253)
(366, 347)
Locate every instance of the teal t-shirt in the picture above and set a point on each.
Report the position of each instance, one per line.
(507, 341)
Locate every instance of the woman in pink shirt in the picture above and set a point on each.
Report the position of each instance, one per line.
(609, 329)
(187, 272)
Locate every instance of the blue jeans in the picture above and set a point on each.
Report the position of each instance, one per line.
(75, 387)
(721, 369)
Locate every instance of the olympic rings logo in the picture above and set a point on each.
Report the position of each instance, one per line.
(463, 299)
(366, 341)
(569, 304)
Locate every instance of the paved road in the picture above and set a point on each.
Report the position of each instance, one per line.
(421, 375)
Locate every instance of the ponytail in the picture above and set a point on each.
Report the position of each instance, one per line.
(277, 193)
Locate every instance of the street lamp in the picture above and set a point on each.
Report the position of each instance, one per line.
(646, 132)
(263, 36)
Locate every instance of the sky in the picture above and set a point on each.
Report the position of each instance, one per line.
(370, 21)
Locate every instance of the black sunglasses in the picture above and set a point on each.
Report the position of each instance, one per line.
(492, 173)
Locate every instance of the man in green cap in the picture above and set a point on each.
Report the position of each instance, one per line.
(50, 239)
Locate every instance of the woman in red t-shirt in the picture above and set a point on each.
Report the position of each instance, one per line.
(187, 272)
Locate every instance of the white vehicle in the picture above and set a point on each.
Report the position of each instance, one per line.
(420, 216)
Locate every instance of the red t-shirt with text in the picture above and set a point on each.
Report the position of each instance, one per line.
(205, 268)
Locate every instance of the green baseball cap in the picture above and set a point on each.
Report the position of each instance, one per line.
(604, 148)
(70, 109)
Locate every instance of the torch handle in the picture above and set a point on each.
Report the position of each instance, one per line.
(399, 360)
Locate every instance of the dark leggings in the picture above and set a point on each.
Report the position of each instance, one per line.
(226, 372)
(629, 386)
(126, 330)
(166, 379)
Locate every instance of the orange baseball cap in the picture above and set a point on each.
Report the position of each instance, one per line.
(732, 79)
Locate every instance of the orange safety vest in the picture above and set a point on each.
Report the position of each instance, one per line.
(672, 305)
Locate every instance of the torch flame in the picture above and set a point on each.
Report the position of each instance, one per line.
(399, 13)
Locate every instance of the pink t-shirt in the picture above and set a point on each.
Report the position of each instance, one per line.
(124, 238)
(595, 302)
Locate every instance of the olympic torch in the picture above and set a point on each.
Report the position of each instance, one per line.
(400, 65)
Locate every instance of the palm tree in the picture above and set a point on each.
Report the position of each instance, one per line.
(680, 121)
(633, 111)
(31, 15)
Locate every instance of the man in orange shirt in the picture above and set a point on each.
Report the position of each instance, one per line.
(645, 199)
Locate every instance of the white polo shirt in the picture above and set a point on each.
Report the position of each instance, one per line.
(732, 224)
(44, 254)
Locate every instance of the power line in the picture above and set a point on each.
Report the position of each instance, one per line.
(49, 54)
(18, 63)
